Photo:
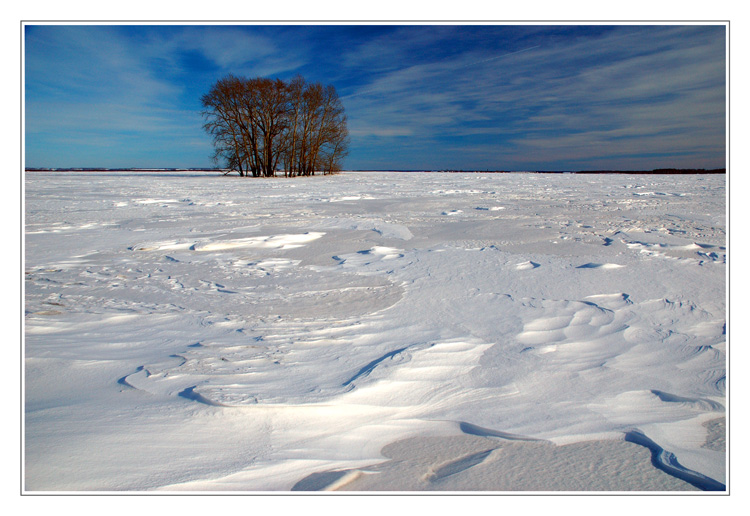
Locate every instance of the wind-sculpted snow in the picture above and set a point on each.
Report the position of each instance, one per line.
(668, 462)
(289, 334)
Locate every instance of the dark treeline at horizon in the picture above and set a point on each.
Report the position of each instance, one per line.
(471, 171)
(223, 170)
(123, 169)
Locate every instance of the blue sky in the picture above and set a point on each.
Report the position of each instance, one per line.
(498, 97)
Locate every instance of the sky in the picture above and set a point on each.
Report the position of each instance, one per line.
(417, 97)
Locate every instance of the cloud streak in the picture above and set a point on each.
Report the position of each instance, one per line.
(665, 92)
(468, 96)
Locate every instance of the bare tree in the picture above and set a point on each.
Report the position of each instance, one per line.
(225, 123)
(332, 138)
(291, 138)
(257, 124)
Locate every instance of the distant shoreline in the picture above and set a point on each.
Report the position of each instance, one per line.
(218, 170)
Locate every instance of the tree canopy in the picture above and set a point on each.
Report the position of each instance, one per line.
(260, 125)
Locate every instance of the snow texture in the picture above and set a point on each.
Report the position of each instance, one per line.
(193, 332)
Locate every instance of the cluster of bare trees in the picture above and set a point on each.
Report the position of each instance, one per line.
(262, 125)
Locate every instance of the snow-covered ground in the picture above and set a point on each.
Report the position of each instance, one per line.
(374, 331)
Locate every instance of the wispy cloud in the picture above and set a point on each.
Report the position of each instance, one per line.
(543, 96)
(126, 87)
(619, 92)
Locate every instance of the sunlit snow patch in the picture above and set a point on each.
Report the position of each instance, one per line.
(600, 266)
(265, 242)
(156, 201)
(169, 245)
(375, 254)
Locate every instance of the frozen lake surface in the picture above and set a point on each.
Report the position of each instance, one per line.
(187, 331)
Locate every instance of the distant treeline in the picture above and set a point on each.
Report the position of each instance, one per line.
(659, 171)
(222, 170)
(101, 169)
(654, 171)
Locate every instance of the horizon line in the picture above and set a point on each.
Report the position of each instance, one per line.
(419, 170)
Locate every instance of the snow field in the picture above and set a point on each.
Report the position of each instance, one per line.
(215, 333)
